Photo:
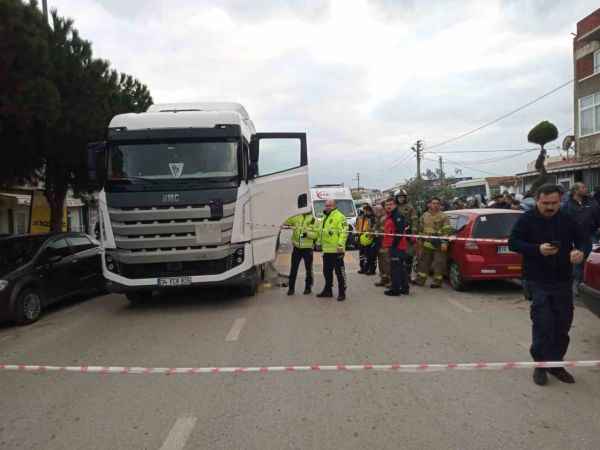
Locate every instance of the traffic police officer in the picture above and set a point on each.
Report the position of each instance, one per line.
(303, 238)
(433, 251)
(332, 236)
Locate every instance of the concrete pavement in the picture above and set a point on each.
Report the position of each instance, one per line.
(466, 410)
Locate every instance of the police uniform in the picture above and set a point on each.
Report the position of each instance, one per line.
(305, 228)
(332, 235)
(367, 256)
(432, 256)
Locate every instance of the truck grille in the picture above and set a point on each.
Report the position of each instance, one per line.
(188, 268)
(166, 234)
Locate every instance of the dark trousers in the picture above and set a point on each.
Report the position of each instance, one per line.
(299, 254)
(334, 262)
(551, 317)
(398, 270)
(368, 258)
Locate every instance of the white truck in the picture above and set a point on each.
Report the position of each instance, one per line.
(344, 202)
(191, 194)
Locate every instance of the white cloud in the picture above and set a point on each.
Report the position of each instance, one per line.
(364, 78)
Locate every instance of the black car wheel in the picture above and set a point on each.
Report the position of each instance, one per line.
(455, 277)
(28, 308)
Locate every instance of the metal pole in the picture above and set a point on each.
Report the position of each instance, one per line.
(45, 9)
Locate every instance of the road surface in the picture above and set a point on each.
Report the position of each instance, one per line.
(358, 410)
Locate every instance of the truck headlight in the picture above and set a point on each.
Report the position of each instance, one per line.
(238, 256)
(3, 285)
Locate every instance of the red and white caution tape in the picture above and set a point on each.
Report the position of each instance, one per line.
(416, 236)
(424, 367)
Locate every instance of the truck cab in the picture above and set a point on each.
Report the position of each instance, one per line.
(191, 194)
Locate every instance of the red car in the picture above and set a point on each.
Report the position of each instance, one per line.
(591, 282)
(471, 260)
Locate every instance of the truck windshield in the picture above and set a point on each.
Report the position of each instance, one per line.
(345, 206)
(179, 160)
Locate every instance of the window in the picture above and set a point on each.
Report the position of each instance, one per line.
(278, 155)
(58, 248)
(597, 61)
(80, 243)
(495, 226)
(589, 115)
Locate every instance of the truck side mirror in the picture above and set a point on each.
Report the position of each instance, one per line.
(97, 164)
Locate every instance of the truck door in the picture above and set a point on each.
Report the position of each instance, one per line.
(279, 188)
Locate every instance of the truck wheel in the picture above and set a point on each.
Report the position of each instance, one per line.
(138, 298)
(28, 307)
(456, 279)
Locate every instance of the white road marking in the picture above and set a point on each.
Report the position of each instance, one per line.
(179, 434)
(236, 329)
(459, 305)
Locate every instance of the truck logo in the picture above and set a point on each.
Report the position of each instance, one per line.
(322, 195)
(170, 198)
(176, 169)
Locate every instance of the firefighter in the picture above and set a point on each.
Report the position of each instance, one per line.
(410, 215)
(383, 255)
(303, 238)
(332, 236)
(432, 251)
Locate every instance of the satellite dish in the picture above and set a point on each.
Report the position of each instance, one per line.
(568, 142)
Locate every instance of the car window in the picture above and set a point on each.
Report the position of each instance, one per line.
(495, 225)
(461, 222)
(452, 219)
(17, 252)
(58, 248)
(80, 243)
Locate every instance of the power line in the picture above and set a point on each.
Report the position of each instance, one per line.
(462, 166)
(504, 116)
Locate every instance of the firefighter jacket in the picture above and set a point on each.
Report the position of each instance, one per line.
(434, 225)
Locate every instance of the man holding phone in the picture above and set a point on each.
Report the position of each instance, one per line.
(550, 242)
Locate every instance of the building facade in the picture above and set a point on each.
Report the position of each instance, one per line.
(586, 60)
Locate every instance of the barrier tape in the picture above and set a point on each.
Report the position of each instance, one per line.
(417, 236)
(423, 367)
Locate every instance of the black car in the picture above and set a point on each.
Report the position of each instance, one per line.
(37, 270)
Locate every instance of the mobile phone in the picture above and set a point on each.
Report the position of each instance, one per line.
(555, 244)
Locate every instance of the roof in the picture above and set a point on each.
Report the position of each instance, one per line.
(201, 106)
(566, 165)
(501, 181)
(486, 211)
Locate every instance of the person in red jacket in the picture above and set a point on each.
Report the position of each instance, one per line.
(397, 246)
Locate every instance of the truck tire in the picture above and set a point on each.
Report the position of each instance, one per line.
(28, 307)
(456, 279)
(138, 298)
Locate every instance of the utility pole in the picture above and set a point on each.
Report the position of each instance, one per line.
(442, 170)
(418, 149)
(357, 181)
(45, 9)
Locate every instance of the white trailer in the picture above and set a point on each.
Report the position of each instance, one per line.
(191, 194)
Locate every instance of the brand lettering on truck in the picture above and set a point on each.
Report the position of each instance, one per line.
(170, 198)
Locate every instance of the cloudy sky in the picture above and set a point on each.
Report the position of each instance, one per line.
(364, 78)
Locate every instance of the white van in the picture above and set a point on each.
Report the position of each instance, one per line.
(343, 198)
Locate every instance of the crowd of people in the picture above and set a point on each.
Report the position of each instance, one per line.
(554, 236)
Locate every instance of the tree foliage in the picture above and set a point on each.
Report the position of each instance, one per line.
(55, 97)
(421, 191)
(543, 133)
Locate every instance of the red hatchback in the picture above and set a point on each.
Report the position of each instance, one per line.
(472, 260)
(591, 282)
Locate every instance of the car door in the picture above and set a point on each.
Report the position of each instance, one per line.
(86, 260)
(58, 270)
(278, 189)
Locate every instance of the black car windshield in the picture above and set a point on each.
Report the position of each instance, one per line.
(174, 160)
(345, 206)
(494, 226)
(15, 253)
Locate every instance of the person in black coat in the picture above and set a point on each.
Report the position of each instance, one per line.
(550, 242)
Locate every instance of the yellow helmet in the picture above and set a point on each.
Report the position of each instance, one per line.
(365, 240)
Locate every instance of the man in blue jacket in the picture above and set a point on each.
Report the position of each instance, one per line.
(550, 242)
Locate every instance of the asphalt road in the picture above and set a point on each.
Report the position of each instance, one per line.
(362, 410)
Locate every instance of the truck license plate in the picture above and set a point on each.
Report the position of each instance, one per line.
(174, 281)
(503, 249)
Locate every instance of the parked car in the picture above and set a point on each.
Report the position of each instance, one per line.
(37, 270)
(590, 288)
(471, 260)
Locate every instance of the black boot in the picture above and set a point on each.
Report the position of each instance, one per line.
(307, 290)
(562, 375)
(540, 376)
(290, 292)
(392, 293)
(341, 296)
(325, 294)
